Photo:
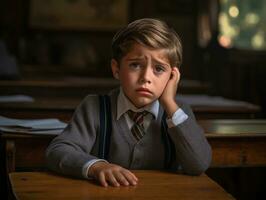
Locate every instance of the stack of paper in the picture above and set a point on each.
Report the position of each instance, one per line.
(32, 126)
(15, 98)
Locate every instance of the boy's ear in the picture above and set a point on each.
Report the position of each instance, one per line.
(115, 68)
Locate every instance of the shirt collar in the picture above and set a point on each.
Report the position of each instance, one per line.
(123, 105)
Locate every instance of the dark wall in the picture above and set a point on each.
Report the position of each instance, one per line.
(29, 44)
(40, 52)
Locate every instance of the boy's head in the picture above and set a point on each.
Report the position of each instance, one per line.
(145, 53)
(152, 33)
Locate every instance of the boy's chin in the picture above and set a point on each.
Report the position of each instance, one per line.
(142, 102)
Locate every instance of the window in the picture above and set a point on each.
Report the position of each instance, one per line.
(242, 24)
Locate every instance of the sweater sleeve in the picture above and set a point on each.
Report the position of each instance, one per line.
(69, 151)
(193, 152)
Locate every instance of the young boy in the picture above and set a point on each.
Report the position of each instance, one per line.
(146, 57)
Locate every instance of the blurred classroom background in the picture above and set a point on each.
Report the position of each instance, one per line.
(55, 52)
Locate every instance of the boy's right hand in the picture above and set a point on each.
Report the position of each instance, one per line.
(111, 174)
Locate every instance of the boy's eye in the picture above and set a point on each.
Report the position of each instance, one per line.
(159, 68)
(134, 65)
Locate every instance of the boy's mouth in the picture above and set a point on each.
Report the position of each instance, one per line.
(144, 91)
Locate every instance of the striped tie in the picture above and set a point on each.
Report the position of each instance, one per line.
(138, 128)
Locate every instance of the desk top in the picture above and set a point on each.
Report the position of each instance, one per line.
(234, 143)
(234, 128)
(152, 185)
(213, 128)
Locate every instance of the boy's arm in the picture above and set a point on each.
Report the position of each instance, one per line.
(193, 151)
(68, 152)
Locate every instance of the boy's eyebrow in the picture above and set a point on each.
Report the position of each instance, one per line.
(134, 59)
(162, 62)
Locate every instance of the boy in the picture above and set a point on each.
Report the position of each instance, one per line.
(146, 57)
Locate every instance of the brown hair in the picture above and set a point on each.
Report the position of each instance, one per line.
(149, 32)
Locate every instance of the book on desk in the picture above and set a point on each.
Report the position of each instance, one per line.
(50, 126)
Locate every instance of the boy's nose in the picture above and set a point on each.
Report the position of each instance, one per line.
(146, 75)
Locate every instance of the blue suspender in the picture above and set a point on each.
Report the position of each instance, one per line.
(105, 126)
(106, 130)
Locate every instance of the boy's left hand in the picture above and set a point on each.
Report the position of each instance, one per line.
(167, 99)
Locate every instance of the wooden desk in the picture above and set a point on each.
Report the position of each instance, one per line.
(43, 107)
(152, 185)
(222, 112)
(235, 143)
(24, 151)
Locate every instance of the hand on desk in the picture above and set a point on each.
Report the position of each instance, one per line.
(111, 174)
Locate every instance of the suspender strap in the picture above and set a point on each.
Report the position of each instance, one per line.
(105, 126)
(169, 147)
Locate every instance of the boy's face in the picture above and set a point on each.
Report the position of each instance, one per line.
(143, 73)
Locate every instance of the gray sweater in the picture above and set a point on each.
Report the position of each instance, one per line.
(78, 143)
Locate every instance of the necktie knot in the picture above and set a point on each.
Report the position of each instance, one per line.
(137, 117)
(138, 128)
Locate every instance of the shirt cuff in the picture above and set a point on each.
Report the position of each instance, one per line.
(178, 117)
(87, 166)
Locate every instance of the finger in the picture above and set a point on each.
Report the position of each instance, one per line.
(131, 178)
(176, 74)
(173, 74)
(121, 178)
(174, 78)
(132, 174)
(112, 180)
(102, 180)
